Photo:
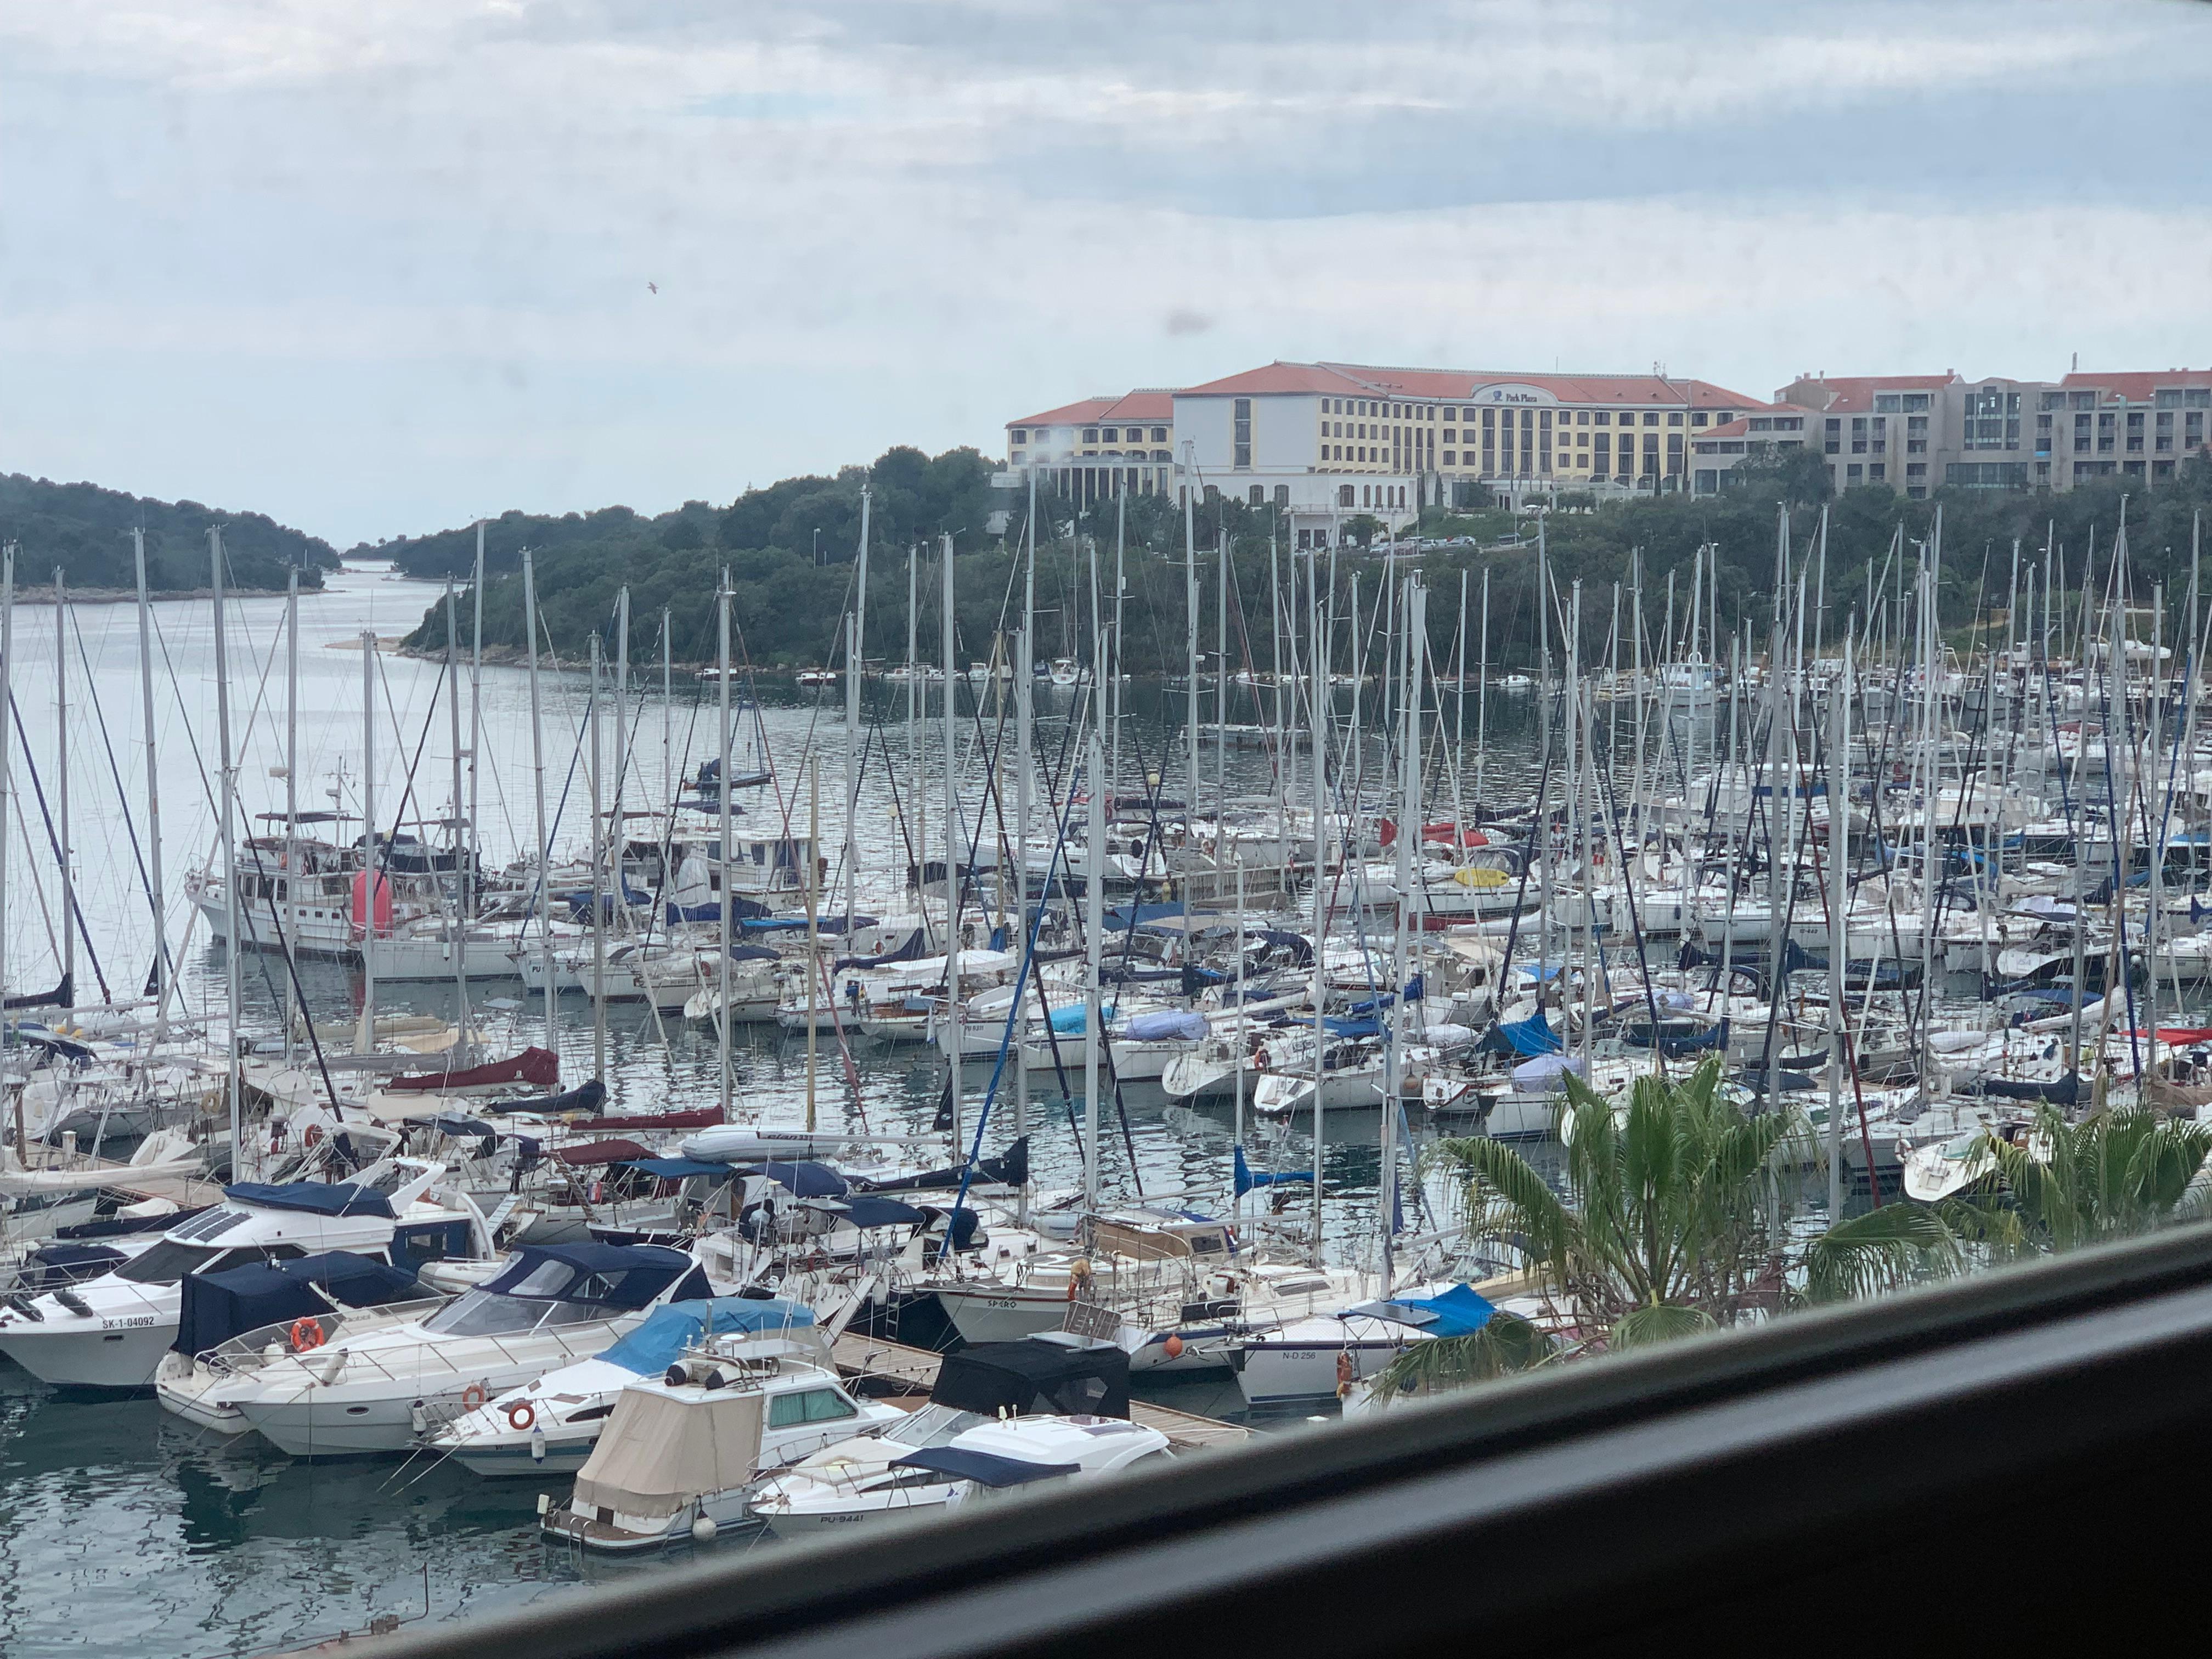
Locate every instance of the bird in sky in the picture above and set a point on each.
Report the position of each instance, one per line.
(653, 288)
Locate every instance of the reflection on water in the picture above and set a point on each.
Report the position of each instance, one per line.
(124, 1532)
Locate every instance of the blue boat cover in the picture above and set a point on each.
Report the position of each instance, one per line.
(807, 1180)
(1533, 1036)
(754, 953)
(653, 1346)
(679, 1169)
(1123, 918)
(1247, 1178)
(1165, 1022)
(313, 1197)
(1456, 1312)
(215, 1307)
(987, 1468)
(1353, 1027)
(612, 1275)
(865, 1212)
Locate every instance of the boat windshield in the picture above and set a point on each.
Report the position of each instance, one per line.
(933, 1425)
(166, 1262)
(488, 1313)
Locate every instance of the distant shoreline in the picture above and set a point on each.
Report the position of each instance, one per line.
(129, 595)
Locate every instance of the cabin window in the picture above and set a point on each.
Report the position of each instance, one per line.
(789, 1410)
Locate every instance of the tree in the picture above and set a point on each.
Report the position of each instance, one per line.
(2056, 1188)
(1363, 528)
(1666, 1224)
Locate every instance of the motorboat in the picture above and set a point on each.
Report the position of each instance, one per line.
(389, 1389)
(112, 1331)
(991, 1459)
(241, 1318)
(682, 1450)
(549, 1425)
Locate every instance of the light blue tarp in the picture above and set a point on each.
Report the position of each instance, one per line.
(1165, 1022)
(653, 1346)
(1069, 1021)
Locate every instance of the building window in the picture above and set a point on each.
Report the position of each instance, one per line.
(1159, 434)
(1090, 436)
(1698, 419)
(1888, 402)
(1856, 471)
(1915, 469)
(1448, 458)
(1021, 435)
(1343, 496)
(1877, 471)
(1604, 419)
(1256, 496)
(1241, 442)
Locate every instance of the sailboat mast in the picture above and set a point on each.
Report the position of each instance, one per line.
(1190, 643)
(62, 790)
(953, 1023)
(292, 1009)
(475, 729)
(855, 641)
(455, 923)
(7, 801)
(228, 806)
(598, 873)
(537, 800)
(1094, 926)
(725, 865)
(365, 1032)
(161, 977)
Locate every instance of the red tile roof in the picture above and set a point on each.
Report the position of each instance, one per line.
(1738, 428)
(1855, 392)
(1459, 385)
(1149, 404)
(2137, 386)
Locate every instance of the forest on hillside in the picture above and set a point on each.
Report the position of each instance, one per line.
(85, 531)
(786, 610)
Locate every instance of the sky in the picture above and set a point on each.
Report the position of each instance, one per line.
(381, 268)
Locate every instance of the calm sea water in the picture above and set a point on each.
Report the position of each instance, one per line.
(121, 1530)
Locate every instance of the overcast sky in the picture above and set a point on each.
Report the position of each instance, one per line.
(382, 267)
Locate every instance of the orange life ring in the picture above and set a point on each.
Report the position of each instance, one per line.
(520, 1415)
(472, 1397)
(314, 1136)
(305, 1333)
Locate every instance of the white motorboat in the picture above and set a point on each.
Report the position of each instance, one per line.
(241, 1318)
(386, 1390)
(550, 1425)
(681, 1451)
(111, 1332)
(988, 1460)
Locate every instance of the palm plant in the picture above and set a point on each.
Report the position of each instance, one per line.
(1668, 1223)
(2060, 1186)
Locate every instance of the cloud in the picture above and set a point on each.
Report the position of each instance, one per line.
(375, 266)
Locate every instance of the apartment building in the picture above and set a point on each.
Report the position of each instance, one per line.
(1914, 432)
(1326, 440)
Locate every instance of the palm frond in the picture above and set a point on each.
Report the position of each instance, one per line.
(1505, 1344)
(1658, 1322)
(1894, 1245)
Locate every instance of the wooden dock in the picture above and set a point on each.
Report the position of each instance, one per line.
(894, 1368)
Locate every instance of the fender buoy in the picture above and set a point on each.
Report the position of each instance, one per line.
(314, 1135)
(520, 1415)
(472, 1397)
(1173, 1347)
(305, 1333)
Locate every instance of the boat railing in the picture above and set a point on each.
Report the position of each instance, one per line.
(290, 1339)
(423, 1358)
